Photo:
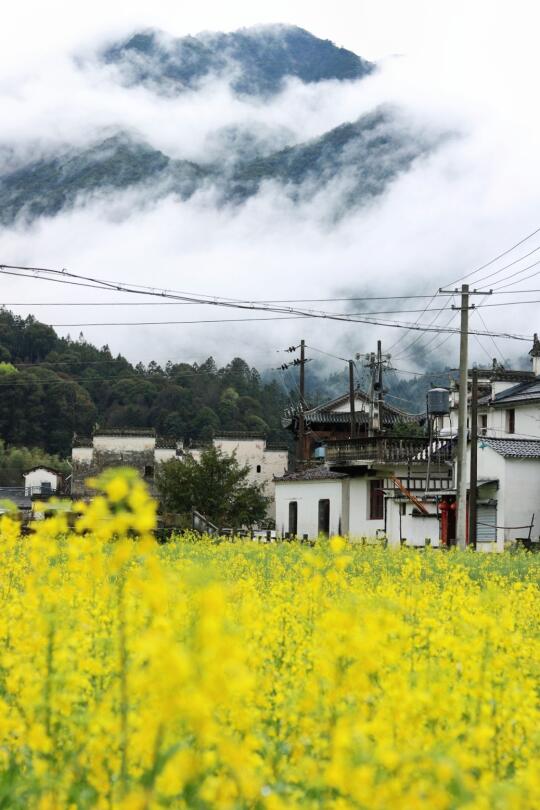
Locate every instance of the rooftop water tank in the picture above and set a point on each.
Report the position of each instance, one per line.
(438, 401)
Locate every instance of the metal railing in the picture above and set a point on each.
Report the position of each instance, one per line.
(40, 491)
(387, 449)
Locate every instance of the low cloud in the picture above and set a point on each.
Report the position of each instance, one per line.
(475, 195)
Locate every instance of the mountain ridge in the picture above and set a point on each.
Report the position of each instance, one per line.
(257, 60)
(357, 160)
(368, 154)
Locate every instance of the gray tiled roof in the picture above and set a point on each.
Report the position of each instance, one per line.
(524, 392)
(125, 432)
(335, 417)
(82, 441)
(312, 474)
(513, 448)
(166, 442)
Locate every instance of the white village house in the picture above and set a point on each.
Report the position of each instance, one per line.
(403, 488)
(265, 461)
(140, 449)
(368, 488)
(144, 451)
(509, 453)
(42, 481)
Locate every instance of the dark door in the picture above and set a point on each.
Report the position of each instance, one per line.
(293, 518)
(324, 516)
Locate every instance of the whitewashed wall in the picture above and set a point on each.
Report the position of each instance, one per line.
(307, 495)
(518, 493)
(162, 454)
(253, 453)
(123, 444)
(521, 496)
(359, 523)
(527, 421)
(360, 405)
(83, 455)
(491, 465)
(414, 528)
(35, 478)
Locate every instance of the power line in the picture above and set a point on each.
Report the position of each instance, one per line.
(495, 259)
(258, 301)
(138, 289)
(175, 323)
(406, 350)
(519, 280)
(506, 266)
(432, 373)
(328, 354)
(482, 346)
(516, 273)
(497, 349)
(325, 316)
(366, 313)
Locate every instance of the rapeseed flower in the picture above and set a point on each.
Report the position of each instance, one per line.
(273, 677)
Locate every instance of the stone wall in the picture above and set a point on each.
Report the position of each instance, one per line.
(88, 465)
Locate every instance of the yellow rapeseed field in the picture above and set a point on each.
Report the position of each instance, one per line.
(237, 675)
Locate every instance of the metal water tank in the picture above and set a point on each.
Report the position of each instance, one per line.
(438, 401)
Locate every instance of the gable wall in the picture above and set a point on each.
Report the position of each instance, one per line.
(307, 495)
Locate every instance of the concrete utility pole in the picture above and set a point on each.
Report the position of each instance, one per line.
(301, 419)
(474, 459)
(300, 444)
(376, 363)
(352, 398)
(377, 421)
(461, 524)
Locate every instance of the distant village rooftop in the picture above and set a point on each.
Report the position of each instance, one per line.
(312, 474)
(514, 448)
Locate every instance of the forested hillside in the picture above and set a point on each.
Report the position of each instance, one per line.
(54, 387)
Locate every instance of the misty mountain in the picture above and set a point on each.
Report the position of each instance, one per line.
(362, 157)
(50, 185)
(256, 60)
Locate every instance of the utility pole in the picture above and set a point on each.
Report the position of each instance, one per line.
(371, 366)
(376, 363)
(377, 421)
(461, 524)
(474, 460)
(301, 419)
(352, 398)
(300, 448)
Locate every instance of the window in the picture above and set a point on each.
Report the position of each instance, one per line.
(511, 420)
(148, 471)
(483, 424)
(376, 500)
(258, 467)
(293, 517)
(324, 516)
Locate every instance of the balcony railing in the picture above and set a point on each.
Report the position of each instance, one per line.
(387, 449)
(40, 491)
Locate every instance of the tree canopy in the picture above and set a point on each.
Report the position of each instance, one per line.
(53, 387)
(216, 486)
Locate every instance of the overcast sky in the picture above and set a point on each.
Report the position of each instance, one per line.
(469, 67)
